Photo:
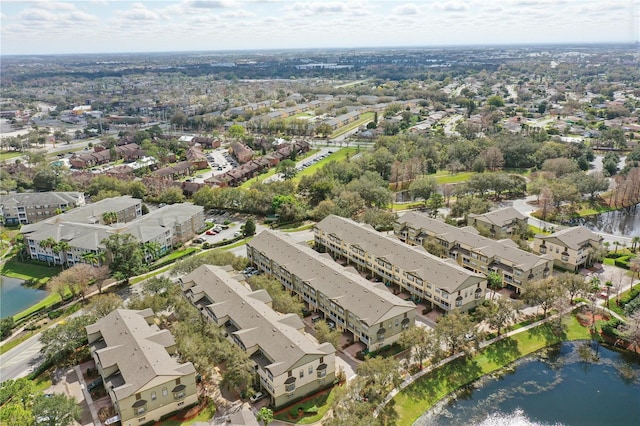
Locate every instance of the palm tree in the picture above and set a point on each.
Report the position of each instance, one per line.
(152, 249)
(49, 244)
(63, 247)
(109, 217)
(89, 257)
(608, 284)
(617, 244)
(635, 243)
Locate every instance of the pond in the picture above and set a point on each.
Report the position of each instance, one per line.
(623, 223)
(15, 297)
(576, 383)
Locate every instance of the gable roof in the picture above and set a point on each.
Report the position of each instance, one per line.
(573, 237)
(137, 348)
(445, 274)
(277, 335)
(371, 302)
(504, 249)
(500, 217)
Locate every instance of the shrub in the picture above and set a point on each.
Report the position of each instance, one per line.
(54, 314)
(610, 328)
(632, 306)
(628, 297)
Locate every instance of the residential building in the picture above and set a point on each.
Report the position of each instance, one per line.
(84, 229)
(475, 252)
(442, 283)
(288, 364)
(139, 368)
(367, 310)
(506, 221)
(242, 152)
(31, 207)
(571, 248)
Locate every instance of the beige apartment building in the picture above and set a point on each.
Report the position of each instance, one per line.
(571, 248)
(367, 310)
(442, 283)
(140, 371)
(289, 364)
(31, 207)
(475, 252)
(506, 221)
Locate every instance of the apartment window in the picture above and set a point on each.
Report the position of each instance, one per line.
(153, 396)
(290, 384)
(310, 369)
(179, 392)
(301, 373)
(139, 407)
(165, 392)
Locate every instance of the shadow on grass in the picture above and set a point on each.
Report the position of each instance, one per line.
(502, 352)
(552, 332)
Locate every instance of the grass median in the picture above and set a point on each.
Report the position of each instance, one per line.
(420, 396)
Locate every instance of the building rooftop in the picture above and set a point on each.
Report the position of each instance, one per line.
(278, 336)
(370, 302)
(500, 217)
(503, 249)
(137, 348)
(42, 198)
(445, 274)
(573, 237)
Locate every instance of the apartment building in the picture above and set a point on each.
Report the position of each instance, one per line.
(139, 368)
(506, 221)
(442, 283)
(83, 229)
(571, 248)
(289, 365)
(31, 207)
(367, 310)
(475, 252)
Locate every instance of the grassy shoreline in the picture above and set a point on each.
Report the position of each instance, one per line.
(425, 392)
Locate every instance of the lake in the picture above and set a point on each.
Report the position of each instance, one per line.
(14, 297)
(575, 383)
(620, 222)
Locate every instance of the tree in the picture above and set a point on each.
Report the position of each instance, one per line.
(573, 284)
(109, 218)
(265, 415)
(62, 341)
(631, 330)
(499, 313)
(543, 293)
(249, 228)
(56, 410)
(287, 168)
(171, 195)
(591, 184)
(152, 249)
(48, 244)
(326, 334)
(455, 329)
(103, 304)
(379, 375)
(494, 282)
(62, 247)
(435, 202)
(423, 187)
(424, 342)
(16, 400)
(126, 256)
(236, 131)
(6, 325)
(495, 101)
(282, 301)
(432, 245)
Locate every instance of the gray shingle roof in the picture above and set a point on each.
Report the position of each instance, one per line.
(277, 335)
(370, 302)
(573, 237)
(505, 249)
(446, 274)
(137, 348)
(41, 198)
(500, 217)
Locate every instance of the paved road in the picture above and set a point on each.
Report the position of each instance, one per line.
(21, 360)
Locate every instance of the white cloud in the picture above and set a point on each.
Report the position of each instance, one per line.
(210, 4)
(139, 13)
(55, 5)
(79, 16)
(240, 13)
(452, 7)
(318, 7)
(37, 15)
(408, 9)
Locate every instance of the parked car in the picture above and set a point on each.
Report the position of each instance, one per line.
(198, 240)
(211, 232)
(256, 397)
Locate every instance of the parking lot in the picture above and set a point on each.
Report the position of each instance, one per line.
(220, 162)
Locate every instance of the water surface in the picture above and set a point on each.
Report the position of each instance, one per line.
(576, 383)
(14, 297)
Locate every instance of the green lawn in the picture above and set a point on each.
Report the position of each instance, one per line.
(429, 389)
(366, 117)
(272, 171)
(28, 271)
(9, 155)
(407, 206)
(339, 155)
(446, 177)
(321, 403)
(204, 416)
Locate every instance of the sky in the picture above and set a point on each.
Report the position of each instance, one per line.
(109, 26)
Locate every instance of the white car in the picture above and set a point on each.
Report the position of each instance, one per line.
(256, 397)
